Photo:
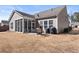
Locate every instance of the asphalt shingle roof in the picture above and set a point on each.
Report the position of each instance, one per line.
(49, 13)
(53, 12)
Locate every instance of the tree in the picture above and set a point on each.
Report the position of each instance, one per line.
(75, 16)
(72, 18)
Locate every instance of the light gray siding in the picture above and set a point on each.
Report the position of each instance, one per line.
(63, 20)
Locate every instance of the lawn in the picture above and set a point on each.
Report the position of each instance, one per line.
(19, 42)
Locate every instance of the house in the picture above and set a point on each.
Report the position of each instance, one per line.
(75, 16)
(54, 17)
(73, 20)
(75, 24)
(4, 23)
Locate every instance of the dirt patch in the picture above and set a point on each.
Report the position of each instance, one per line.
(19, 42)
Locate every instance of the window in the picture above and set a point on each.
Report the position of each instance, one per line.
(50, 23)
(12, 25)
(45, 24)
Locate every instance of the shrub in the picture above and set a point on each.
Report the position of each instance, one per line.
(76, 26)
(70, 28)
(66, 30)
(51, 30)
(54, 31)
(48, 30)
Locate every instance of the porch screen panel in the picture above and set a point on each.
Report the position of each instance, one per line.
(16, 28)
(25, 25)
(18, 25)
(29, 25)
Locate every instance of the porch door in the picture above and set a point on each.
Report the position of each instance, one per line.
(33, 26)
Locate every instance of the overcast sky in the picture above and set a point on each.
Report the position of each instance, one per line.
(5, 10)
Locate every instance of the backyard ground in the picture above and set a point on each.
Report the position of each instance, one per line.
(19, 42)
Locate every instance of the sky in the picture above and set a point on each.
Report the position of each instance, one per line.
(6, 10)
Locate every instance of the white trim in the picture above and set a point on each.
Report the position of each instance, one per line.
(23, 25)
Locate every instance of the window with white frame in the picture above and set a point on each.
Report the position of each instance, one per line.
(50, 23)
(45, 24)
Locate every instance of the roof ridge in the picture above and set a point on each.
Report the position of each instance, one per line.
(23, 13)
